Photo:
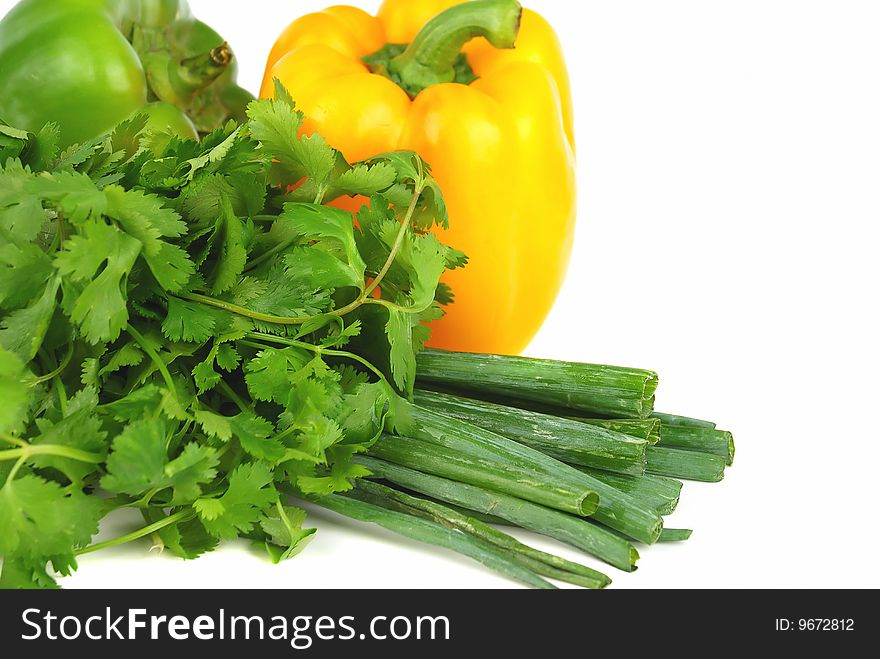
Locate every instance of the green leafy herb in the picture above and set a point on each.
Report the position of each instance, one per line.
(178, 331)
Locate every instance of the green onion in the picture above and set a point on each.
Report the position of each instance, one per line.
(600, 390)
(675, 535)
(686, 465)
(572, 495)
(647, 429)
(542, 563)
(479, 451)
(582, 534)
(564, 439)
(703, 440)
(654, 492)
(432, 533)
(683, 421)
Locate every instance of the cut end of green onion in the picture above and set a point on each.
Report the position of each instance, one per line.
(633, 558)
(589, 504)
(656, 531)
(652, 382)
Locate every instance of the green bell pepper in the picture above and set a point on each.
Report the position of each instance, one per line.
(86, 65)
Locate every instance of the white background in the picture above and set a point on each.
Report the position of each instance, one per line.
(729, 169)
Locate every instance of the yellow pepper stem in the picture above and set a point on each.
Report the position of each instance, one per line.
(431, 58)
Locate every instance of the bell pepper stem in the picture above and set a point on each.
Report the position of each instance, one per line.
(430, 59)
(199, 71)
(178, 81)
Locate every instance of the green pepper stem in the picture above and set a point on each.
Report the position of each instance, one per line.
(430, 59)
(178, 81)
(196, 73)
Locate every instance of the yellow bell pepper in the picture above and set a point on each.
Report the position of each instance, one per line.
(494, 123)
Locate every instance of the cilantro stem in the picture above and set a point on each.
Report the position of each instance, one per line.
(14, 471)
(242, 311)
(56, 241)
(182, 516)
(144, 501)
(278, 249)
(12, 440)
(293, 343)
(30, 451)
(234, 397)
(58, 383)
(60, 232)
(398, 244)
(58, 371)
(283, 517)
(397, 307)
(156, 359)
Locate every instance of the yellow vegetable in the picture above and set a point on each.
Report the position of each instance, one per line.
(480, 90)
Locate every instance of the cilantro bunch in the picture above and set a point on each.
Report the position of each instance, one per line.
(185, 333)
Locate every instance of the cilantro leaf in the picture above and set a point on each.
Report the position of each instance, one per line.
(146, 219)
(214, 425)
(81, 430)
(276, 125)
(21, 574)
(214, 155)
(188, 539)
(21, 213)
(413, 172)
(143, 217)
(366, 180)
(288, 293)
(232, 258)
(136, 405)
(189, 321)
(23, 331)
(204, 375)
(227, 357)
(420, 262)
(24, 271)
(285, 536)
(12, 142)
(318, 435)
(399, 330)
(192, 469)
(268, 375)
(328, 227)
(316, 266)
(255, 433)
(15, 392)
(338, 479)
(75, 195)
(250, 492)
(100, 309)
(139, 463)
(364, 412)
(43, 148)
(42, 522)
(128, 355)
